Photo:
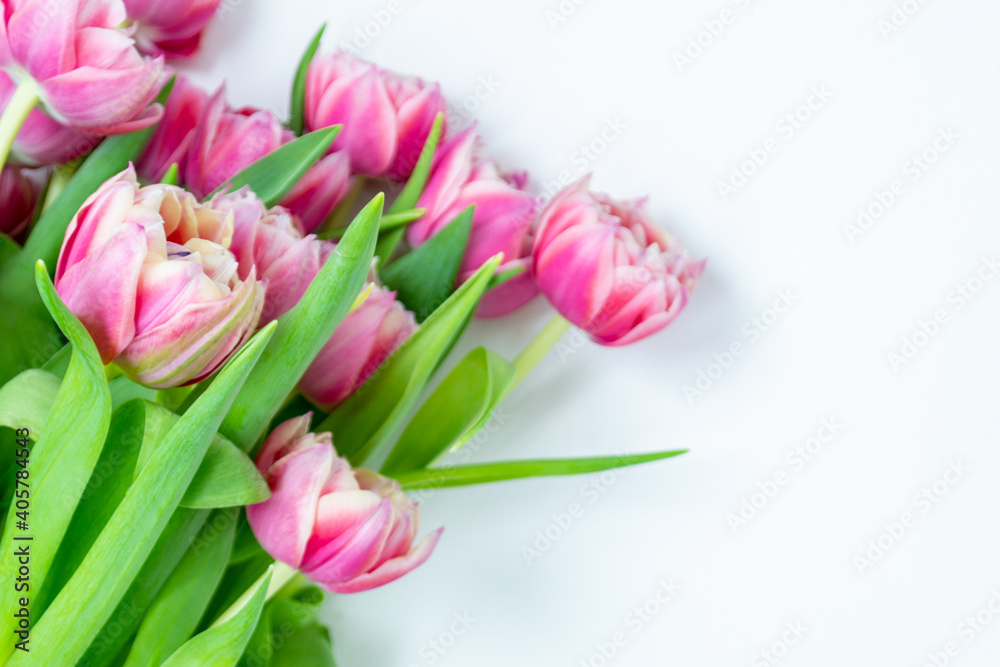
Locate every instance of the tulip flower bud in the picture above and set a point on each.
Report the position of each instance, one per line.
(19, 196)
(88, 72)
(172, 29)
(183, 111)
(608, 268)
(386, 117)
(148, 273)
(361, 343)
(502, 221)
(348, 530)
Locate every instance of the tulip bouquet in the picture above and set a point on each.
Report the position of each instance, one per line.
(221, 370)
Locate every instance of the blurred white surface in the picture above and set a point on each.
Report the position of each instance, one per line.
(897, 108)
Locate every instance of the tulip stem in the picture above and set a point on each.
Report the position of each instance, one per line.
(538, 348)
(21, 103)
(281, 575)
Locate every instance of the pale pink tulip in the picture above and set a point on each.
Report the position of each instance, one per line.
(183, 111)
(348, 530)
(608, 268)
(502, 222)
(361, 343)
(173, 28)
(88, 73)
(148, 272)
(18, 198)
(41, 141)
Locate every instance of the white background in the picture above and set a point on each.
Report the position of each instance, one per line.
(686, 128)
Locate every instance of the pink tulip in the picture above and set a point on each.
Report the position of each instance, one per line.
(502, 221)
(172, 29)
(171, 139)
(19, 195)
(608, 268)
(348, 530)
(147, 272)
(416, 104)
(362, 342)
(88, 73)
(271, 244)
(226, 141)
(42, 141)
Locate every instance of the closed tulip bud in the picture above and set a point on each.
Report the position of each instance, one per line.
(88, 73)
(502, 221)
(148, 272)
(172, 29)
(18, 198)
(319, 190)
(41, 141)
(417, 103)
(360, 344)
(343, 90)
(183, 111)
(348, 530)
(608, 268)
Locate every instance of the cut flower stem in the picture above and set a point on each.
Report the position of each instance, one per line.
(21, 103)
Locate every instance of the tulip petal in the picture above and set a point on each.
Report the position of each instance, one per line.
(392, 569)
(350, 553)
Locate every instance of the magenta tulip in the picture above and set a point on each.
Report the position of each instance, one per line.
(148, 272)
(172, 29)
(361, 343)
(19, 196)
(172, 137)
(349, 530)
(417, 104)
(83, 68)
(608, 268)
(502, 222)
(319, 191)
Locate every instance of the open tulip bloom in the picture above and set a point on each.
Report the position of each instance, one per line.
(224, 395)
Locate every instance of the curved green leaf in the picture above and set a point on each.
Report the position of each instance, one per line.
(296, 123)
(223, 645)
(457, 409)
(26, 401)
(61, 461)
(366, 420)
(482, 473)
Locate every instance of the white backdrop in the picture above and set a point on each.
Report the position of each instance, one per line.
(874, 543)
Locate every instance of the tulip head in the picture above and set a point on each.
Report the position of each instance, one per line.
(88, 72)
(148, 272)
(19, 194)
(349, 530)
(361, 343)
(41, 141)
(183, 111)
(417, 103)
(172, 29)
(608, 268)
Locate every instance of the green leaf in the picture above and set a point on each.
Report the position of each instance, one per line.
(246, 545)
(389, 221)
(304, 330)
(457, 409)
(424, 277)
(223, 645)
(172, 175)
(8, 248)
(173, 616)
(26, 401)
(236, 580)
(410, 194)
(61, 461)
(366, 420)
(502, 277)
(272, 176)
(497, 472)
(91, 595)
(226, 477)
(297, 121)
(289, 634)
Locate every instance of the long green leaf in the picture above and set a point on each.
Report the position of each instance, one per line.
(497, 472)
(61, 461)
(366, 420)
(272, 176)
(223, 645)
(424, 277)
(26, 401)
(297, 120)
(457, 409)
(304, 330)
(87, 601)
(173, 616)
(289, 633)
